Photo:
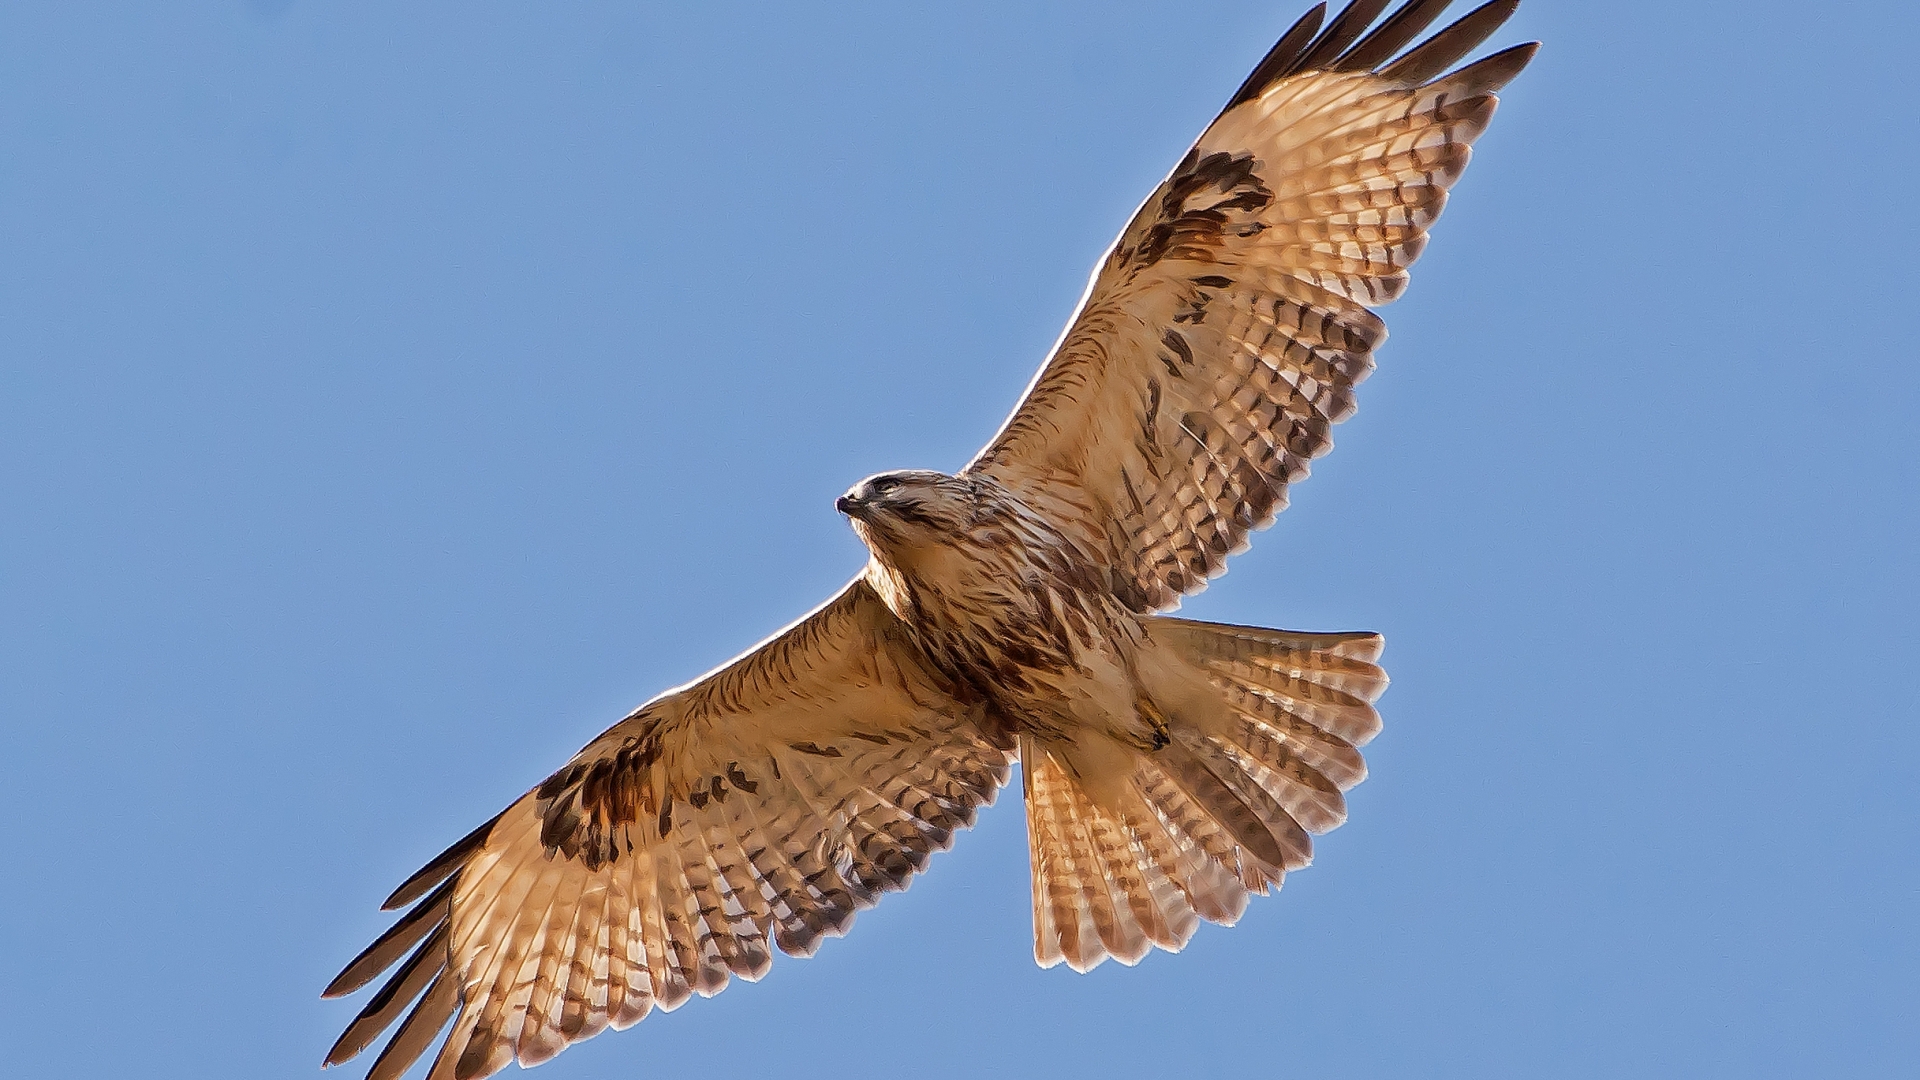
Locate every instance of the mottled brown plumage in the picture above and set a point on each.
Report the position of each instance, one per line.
(1170, 768)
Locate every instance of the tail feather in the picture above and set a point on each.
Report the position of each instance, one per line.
(1187, 819)
(1175, 871)
(1309, 796)
(1056, 903)
(1209, 873)
(1266, 730)
(1108, 879)
(1131, 847)
(1346, 716)
(1144, 922)
(1333, 678)
(1269, 842)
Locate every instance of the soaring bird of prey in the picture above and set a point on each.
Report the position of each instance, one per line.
(1008, 612)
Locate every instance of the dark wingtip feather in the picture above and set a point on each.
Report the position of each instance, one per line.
(387, 948)
(1493, 72)
(1340, 33)
(442, 866)
(1437, 53)
(394, 996)
(1391, 36)
(436, 1007)
(1281, 58)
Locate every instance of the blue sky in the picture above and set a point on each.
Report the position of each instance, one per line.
(391, 399)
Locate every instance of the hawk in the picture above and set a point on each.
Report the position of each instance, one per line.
(1010, 611)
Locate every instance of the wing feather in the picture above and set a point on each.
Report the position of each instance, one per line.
(1340, 34)
(425, 917)
(1391, 36)
(1224, 333)
(416, 1033)
(1283, 57)
(773, 798)
(1446, 48)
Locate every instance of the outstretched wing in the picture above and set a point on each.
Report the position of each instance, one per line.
(1222, 336)
(769, 800)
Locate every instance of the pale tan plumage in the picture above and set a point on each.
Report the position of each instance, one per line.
(1171, 768)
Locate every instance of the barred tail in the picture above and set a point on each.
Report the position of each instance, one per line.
(1131, 848)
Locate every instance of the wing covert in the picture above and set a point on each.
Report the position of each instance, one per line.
(1222, 335)
(764, 803)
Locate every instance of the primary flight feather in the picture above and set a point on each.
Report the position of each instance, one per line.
(1170, 767)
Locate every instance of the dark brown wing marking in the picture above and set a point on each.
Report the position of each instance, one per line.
(1226, 330)
(770, 800)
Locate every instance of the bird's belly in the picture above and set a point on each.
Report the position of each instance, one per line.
(1054, 667)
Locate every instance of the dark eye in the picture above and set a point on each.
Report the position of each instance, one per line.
(885, 484)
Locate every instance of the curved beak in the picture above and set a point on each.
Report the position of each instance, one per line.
(849, 505)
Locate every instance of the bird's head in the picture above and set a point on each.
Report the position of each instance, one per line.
(908, 508)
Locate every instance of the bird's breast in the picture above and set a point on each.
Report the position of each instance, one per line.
(1020, 614)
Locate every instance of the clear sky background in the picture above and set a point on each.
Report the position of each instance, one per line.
(392, 396)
